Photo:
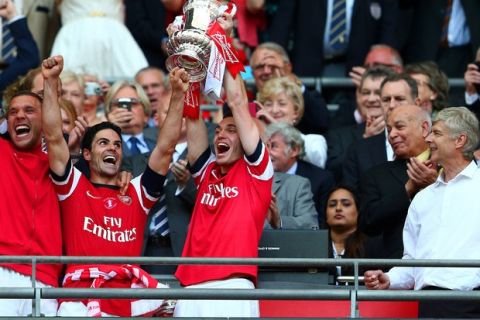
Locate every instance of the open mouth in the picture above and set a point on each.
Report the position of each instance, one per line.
(111, 160)
(222, 147)
(22, 130)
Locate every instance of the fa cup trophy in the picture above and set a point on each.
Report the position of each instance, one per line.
(189, 47)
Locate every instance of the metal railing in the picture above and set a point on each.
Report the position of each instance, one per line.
(345, 82)
(352, 294)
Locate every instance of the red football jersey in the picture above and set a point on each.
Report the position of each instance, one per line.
(29, 211)
(98, 221)
(228, 218)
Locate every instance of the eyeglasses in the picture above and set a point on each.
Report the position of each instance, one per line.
(261, 67)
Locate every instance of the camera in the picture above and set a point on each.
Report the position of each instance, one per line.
(92, 89)
(125, 103)
(477, 85)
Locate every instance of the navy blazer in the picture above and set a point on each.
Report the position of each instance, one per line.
(27, 53)
(339, 141)
(385, 205)
(146, 20)
(373, 21)
(423, 26)
(363, 155)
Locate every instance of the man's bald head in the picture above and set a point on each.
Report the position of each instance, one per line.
(408, 126)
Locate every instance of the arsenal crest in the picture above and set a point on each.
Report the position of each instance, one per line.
(125, 199)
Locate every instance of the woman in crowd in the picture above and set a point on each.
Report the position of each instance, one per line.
(73, 89)
(347, 240)
(69, 115)
(93, 107)
(281, 100)
(93, 39)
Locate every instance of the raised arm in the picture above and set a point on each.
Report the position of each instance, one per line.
(58, 154)
(238, 102)
(169, 134)
(197, 139)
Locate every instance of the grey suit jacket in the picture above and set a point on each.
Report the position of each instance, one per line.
(179, 207)
(294, 202)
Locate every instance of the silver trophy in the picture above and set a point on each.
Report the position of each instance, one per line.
(189, 47)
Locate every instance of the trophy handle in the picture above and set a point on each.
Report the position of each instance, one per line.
(230, 8)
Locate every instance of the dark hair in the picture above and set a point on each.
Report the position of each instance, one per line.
(354, 244)
(18, 94)
(227, 112)
(437, 81)
(92, 132)
(376, 72)
(347, 187)
(394, 77)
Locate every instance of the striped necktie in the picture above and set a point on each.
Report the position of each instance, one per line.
(159, 225)
(9, 49)
(337, 38)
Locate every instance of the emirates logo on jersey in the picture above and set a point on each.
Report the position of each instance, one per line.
(110, 203)
(125, 199)
(217, 192)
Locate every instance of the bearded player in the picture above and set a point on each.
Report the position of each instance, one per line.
(96, 219)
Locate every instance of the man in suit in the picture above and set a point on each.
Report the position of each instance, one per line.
(395, 90)
(286, 148)
(447, 32)
(388, 188)
(368, 22)
(26, 56)
(152, 80)
(127, 106)
(472, 86)
(270, 60)
(292, 205)
(369, 115)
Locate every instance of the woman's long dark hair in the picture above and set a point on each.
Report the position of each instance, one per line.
(354, 244)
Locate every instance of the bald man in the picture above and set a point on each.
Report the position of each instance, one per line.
(388, 188)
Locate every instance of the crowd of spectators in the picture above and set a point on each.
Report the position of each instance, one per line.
(353, 161)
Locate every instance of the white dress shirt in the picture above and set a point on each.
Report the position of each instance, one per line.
(141, 144)
(458, 32)
(442, 223)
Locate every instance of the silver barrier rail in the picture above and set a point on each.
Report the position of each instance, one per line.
(344, 82)
(353, 294)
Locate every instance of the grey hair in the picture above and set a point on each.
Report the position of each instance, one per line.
(275, 47)
(291, 136)
(460, 120)
(123, 84)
